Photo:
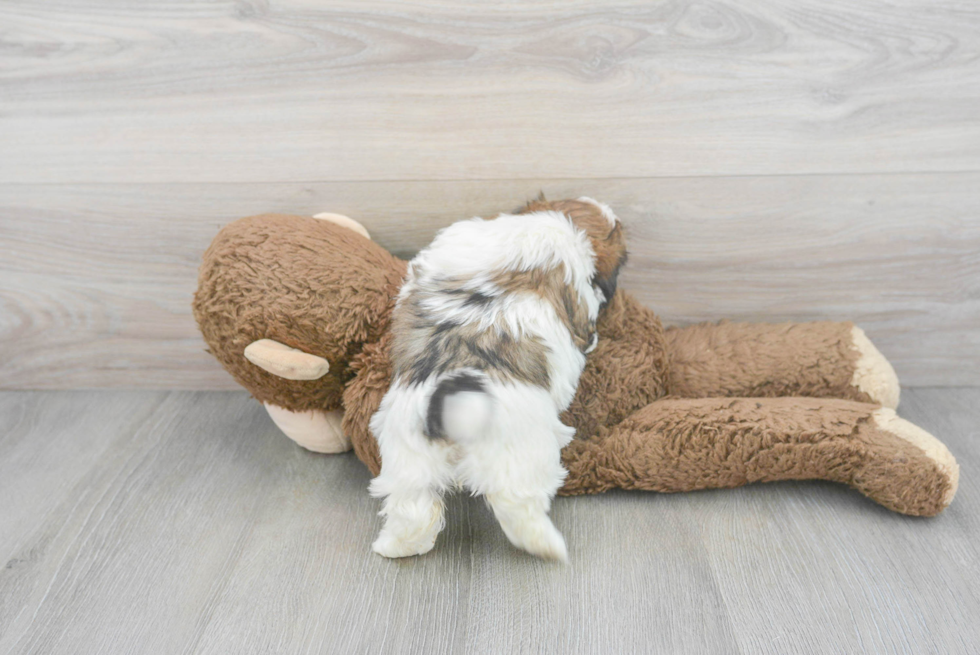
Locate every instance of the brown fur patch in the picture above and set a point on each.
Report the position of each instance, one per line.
(550, 286)
(685, 444)
(609, 243)
(787, 359)
(422, 348)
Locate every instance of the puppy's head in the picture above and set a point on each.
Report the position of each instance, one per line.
(604, 231)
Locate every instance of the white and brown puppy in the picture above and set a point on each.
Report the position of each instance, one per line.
(490, 334)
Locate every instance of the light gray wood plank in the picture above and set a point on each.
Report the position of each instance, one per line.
(199, 529)
(45, 447)
(815, 567)
(124, 91)
(643, 588)
(96, 280)
(48, 448)
(136, 558)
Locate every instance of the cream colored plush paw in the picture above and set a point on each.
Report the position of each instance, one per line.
(936, 450)
(873, 374)
(315, 430)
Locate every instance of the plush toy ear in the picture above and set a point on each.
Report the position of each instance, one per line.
(290, 363)
(344, 221)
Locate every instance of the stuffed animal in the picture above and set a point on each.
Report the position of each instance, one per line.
(297, 309)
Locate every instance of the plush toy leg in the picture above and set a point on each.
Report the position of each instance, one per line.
(821, 360)
(315, 430)
(686, 444)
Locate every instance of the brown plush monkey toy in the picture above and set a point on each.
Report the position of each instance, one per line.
(297, 310)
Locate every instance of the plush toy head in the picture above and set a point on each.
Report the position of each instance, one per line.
(264, 289)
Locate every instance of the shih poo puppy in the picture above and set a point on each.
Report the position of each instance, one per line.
(490, 333)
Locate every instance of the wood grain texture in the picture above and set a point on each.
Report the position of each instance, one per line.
(96, 280)
(141, 522)
(121, 91)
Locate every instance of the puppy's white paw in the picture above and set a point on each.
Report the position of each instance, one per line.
(536, 534)
(544, 540)
(411, 526)
(390, 545)
(525, 522)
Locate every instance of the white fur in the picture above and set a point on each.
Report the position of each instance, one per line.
(466, 416)
(515, 464)
(606, 210)
(476, 248)
(504, 444)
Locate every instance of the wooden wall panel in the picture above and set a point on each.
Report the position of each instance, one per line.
(774, 160)
(96, 280)
(115, 91)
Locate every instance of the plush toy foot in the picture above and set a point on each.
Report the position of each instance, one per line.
(315, 430)
(527, 526)
(873, 374)
(887, 421)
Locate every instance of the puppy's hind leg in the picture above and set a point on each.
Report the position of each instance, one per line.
(518, 468)
(414, 474)
(413, 506)
(525, 521)
(413, 520)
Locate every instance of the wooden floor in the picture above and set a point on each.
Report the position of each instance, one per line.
(182, 522)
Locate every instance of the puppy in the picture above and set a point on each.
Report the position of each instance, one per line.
(490, 333)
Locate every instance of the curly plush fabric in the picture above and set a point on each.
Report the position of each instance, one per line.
(264, 277)
(704, 443)
(688, 408)
(763, 360)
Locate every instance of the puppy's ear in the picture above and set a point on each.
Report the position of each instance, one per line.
(532, 205)
(607, 284)
(611, 257)
(616, 235)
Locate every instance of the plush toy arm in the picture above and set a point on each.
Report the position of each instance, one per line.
(677, 444)
(824, 360)
(314, 429)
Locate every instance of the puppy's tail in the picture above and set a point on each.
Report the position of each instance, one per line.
(460, 408)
